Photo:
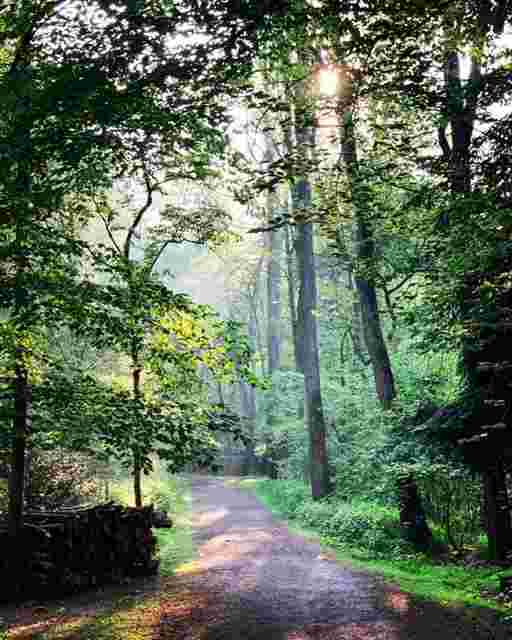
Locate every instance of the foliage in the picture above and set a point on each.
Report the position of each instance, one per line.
(60, 477)
(168, 493)
(358, 525)
(366, 536)
(86, 414)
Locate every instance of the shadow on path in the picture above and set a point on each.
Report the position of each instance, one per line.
(254, 580)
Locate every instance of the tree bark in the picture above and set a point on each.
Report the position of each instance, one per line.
(413, 523)
(319, 467)
(254, 322)
(274, 250)
(460, 112)
(23, 214)
(497, 512)
(296, 315)
(248, 411)
(365, 254)
(302, 205)
(274, 296)
(137, 462)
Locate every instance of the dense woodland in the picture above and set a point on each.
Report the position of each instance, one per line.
(280, 230)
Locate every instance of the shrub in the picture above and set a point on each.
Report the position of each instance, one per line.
(159, 488)
(366, 525)
(61, 477)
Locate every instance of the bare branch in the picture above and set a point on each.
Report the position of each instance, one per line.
(138, 217)
(106, 224)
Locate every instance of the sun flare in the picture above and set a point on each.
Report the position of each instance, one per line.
(328, 81)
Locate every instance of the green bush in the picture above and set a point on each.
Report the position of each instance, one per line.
(161, 489)
(366, 525)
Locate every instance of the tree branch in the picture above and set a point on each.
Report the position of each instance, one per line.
(109, 231)
(138, 217)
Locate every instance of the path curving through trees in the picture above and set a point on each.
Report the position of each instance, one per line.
(255, 580)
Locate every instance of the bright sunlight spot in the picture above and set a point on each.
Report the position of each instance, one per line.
(328, 80)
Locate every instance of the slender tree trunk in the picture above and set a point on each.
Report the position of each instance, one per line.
(365, 255)
(497, 512)
(254, 321)
(301, 203)
(296, 301)
(274, 247)
(274, 297)
(297, 331)
(248, 412)
(249, 403)
(319, 471)
(137, 458)
(21, 305)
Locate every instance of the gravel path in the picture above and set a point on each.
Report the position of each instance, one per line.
(254, 580)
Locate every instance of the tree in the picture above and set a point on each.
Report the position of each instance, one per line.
(364, 247)
(85, 86)
(301, 203)
(419, 68)
(149, 323)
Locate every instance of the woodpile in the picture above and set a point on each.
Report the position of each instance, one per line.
(76, 548)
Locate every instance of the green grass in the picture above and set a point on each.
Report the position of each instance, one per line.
(170, 494)
(377, 550)
(128, 619)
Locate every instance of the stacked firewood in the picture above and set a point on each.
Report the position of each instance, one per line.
(82, 547)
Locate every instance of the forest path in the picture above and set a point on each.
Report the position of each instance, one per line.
(255, 580)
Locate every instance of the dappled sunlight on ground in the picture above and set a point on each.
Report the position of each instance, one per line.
(398, 602)
(206, 519)
(106, 614)
(345, 632)
(253, 580)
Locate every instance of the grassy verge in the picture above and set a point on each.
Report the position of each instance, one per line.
(168, 493)
(366, 535)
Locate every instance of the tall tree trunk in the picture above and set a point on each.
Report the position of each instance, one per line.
(365, 254)
(319, 467)
(296, 314)
(254, 321)
(274, 295)
(137, 457)
(301, 203)
(274, 248)
(21, 305)
(460, 112)
(249, 403)
(497, 511)
(248, 412)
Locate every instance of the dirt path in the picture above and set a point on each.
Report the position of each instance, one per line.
(252, 580)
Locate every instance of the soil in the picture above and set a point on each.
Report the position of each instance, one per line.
(253, 579)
